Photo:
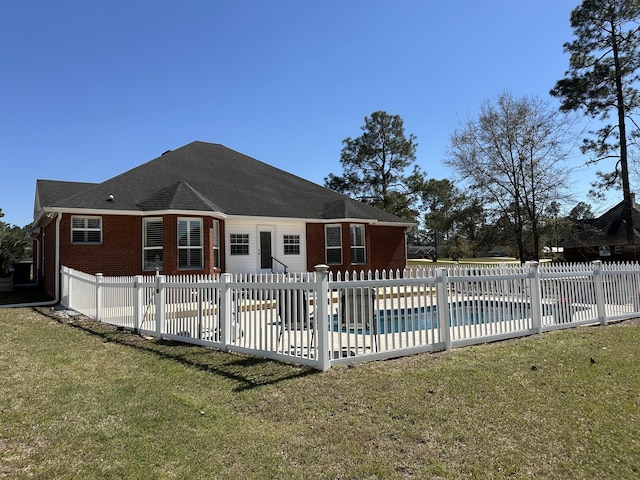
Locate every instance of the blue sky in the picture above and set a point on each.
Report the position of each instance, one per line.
(92, 89)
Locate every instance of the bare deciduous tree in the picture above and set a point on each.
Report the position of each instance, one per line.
(512, 156)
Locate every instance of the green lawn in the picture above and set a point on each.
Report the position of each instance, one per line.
(82, 400)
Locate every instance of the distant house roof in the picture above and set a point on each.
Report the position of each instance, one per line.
(420, 251)
(608, 229)
(209, 177)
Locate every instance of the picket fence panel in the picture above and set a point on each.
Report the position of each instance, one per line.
(365, 315)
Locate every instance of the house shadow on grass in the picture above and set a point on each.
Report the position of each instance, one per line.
(246, 371)
(24, 294)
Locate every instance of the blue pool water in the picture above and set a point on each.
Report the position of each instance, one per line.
(423, 318)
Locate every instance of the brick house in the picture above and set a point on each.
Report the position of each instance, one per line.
(204, 208)
(605, 238)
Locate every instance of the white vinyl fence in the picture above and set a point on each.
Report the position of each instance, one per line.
(364, 316)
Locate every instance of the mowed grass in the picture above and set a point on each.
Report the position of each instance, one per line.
(80, 399)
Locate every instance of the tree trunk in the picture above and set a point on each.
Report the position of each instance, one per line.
(626, 189)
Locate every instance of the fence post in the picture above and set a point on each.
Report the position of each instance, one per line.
(225, 316)
(442, 307)
(598, 280)
(138, 302)
(535, 296)
(160, 304)
(65, 295)
(98, 296)
(322, 315)
(199, 296)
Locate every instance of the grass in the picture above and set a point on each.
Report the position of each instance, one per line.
(80, 399)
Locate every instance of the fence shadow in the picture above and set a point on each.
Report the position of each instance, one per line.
(247, 372)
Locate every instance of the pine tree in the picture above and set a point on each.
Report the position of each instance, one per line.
(603, 68)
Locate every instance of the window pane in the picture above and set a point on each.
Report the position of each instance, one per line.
(183, 258)
(194, 234)
(153, 230)
(333, 237)
(216, 233)
(182, 233)
(334, 256)
(77, 222)
(216, 244)
(153, 259)
(292, 249)
(195, 257)
(239, 249)
(93, 223)
(357, 235)
(357, 255)
(190, 258)
(240, 238)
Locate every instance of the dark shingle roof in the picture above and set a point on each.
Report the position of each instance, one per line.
(211, 177)
(52, 192)
(608, 229)
(179, 196)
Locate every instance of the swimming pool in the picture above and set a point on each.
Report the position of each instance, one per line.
(425, 318)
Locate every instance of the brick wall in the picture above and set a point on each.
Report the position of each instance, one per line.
(385, 248)
(121, 250)
(388, 248)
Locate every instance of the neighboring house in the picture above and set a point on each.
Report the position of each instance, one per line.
(604, 238)
(204, 208)
(420, 252)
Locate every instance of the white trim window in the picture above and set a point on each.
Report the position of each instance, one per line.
(86, 229)
(239, 243)
(216, 244)
(152, 243)
(333, 244)
(358, 253)
(291, 244)
(189, 243)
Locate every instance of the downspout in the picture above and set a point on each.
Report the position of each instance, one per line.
(57, 261)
